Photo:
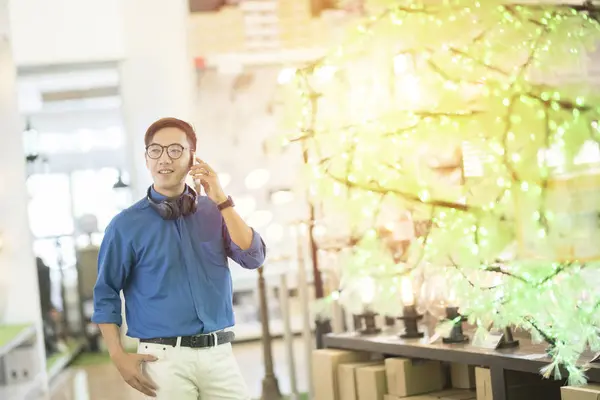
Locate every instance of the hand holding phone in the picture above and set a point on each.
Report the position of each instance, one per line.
(209, 180)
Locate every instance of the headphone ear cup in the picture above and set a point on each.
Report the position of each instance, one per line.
(188, 204)
(171, 210)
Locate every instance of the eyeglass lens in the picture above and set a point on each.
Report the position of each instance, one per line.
(155, 151)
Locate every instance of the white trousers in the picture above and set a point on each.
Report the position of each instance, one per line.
(184, 373)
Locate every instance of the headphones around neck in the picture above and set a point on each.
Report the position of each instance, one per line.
(171, 209)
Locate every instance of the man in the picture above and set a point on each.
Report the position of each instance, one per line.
(168, 254)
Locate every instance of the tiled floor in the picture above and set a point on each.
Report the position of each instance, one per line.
(103, 382)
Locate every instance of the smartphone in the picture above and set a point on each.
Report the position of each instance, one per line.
(191, 182)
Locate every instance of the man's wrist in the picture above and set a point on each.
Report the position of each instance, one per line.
(116, 352)
(221, 199)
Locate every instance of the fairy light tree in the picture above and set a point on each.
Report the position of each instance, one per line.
(454, 111)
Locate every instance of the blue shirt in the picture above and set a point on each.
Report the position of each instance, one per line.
(174, 274)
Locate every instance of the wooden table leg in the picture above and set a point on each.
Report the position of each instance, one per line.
(498, 383)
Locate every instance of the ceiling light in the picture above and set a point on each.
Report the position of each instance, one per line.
(120, 184)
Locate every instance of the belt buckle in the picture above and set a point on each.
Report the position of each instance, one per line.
(215, 340)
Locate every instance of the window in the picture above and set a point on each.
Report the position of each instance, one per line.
(50, 205)
(93, 194)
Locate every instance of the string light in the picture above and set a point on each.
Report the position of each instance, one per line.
(478, 79)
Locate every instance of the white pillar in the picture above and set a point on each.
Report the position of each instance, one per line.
(157, 75)
(19, 291)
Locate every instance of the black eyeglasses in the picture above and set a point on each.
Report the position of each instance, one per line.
(155, 151)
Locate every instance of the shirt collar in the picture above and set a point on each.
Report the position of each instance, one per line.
(161, 197)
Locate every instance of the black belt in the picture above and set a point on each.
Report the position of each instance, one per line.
(207, 340)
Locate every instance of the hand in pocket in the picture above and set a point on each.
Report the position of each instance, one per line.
(130, 367)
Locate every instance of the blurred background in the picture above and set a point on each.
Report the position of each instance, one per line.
(80, 81)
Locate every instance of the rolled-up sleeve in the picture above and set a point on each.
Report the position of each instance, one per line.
(251, 258)
(115, 259)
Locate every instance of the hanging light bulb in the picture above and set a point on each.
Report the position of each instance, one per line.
(120, 184)
(31, 142)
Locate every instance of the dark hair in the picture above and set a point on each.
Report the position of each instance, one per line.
(171, 123)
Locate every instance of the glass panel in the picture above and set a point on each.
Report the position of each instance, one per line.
(49, 205)
(57, 253)
(93, 194)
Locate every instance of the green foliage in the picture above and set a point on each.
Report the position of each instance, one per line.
(474, 117)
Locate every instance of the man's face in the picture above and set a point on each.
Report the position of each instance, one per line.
(170, 169)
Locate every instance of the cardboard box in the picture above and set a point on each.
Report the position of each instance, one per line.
(407, 377)
(462, 376)
(586, 392)
(483, 384)
(420, 397)
(324, 369)
(347, 378)
(451, 394)
(370, 382)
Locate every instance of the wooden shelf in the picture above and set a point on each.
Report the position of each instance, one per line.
(13, 336)
(23, 391)
(528, 357)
